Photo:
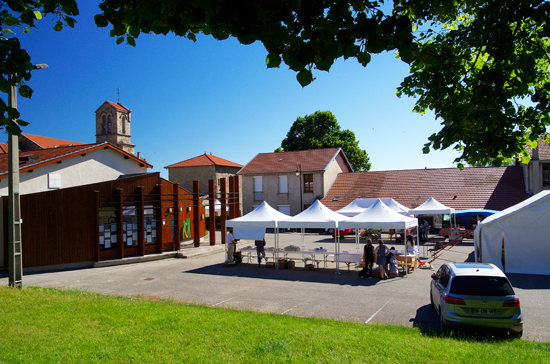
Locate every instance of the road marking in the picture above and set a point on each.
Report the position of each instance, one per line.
(376, 313)
(219, 303)
(289, 309)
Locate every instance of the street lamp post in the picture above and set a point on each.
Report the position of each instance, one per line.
(14, 210)
(299, 174)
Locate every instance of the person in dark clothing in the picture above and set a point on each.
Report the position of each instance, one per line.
(368, 253)
(260, 250)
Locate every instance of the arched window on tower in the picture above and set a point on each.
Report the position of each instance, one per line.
(124, 125)
(109, 124)
(103, 125)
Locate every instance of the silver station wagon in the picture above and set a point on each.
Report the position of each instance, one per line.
(475, 294)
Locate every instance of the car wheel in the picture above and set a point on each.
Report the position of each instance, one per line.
(432, 300)
(516, 334)
(442, 324)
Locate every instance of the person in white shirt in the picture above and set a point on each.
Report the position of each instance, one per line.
(230, 245)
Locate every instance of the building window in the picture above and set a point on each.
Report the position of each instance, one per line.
(258, 190)
(546, 174)
(308, 183)
(285, 209)
(123, 125)
(283, 184)
(109, 124)
(103, 125)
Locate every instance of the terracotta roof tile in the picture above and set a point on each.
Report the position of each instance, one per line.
(46, 142)
(494, 188)
(205, 160)
(38, 158)
(118, 106)
(3, 148)
(284, 162)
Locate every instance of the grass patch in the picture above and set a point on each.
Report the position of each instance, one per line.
(52, 326)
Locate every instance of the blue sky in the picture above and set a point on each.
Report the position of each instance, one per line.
(214, 96)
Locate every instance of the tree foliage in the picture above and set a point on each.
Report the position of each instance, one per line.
(302, 34)
(20, 15)
(483, 69)
(480, 65)
(321, 130)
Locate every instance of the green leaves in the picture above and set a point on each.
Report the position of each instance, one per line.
(101, 21)
(304, 77)
(486, 77)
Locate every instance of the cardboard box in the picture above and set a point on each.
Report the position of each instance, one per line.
(310, 266)
(270, 264)
(230, 264)
(376, 272)
(290, 264)
(282, 264)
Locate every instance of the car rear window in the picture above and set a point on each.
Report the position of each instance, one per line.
(481, 286)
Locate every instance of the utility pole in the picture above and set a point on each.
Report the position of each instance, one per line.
(15, 252)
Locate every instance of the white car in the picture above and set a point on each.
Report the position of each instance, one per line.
(475, 294)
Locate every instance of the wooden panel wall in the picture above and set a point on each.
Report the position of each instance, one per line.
(60, 227)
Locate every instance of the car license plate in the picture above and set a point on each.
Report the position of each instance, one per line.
(483, 311)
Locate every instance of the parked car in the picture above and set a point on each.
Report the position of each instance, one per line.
(343, 232)
(475, 294)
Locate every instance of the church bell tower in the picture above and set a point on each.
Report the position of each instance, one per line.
(112, 124)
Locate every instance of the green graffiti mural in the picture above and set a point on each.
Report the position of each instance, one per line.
(187, 229)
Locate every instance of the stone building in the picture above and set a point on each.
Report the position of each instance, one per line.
(203, 168)
(112, 123)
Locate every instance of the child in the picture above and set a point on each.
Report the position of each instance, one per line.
(393, 261)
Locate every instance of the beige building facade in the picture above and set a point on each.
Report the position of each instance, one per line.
(291, 181)
(536, 174)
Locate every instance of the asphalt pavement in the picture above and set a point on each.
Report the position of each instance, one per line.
(202, 278)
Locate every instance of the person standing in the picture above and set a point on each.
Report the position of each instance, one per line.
(260, 250)
(231, 243)
(380, 253)
(368, 253)
(425, 230)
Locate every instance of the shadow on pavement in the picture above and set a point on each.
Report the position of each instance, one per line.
(529, 281)
(426, 319)
(298, 274)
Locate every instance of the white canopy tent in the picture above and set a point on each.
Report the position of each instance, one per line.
(379, 216)
(218, 206)
(523, 230)
(434, 207)
(360, 204)
(316, 216)
(431, 207)
(252, 225)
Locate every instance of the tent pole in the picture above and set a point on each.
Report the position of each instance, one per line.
(357, 240)
(303, 238)
(337, 252)
(276, 246)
